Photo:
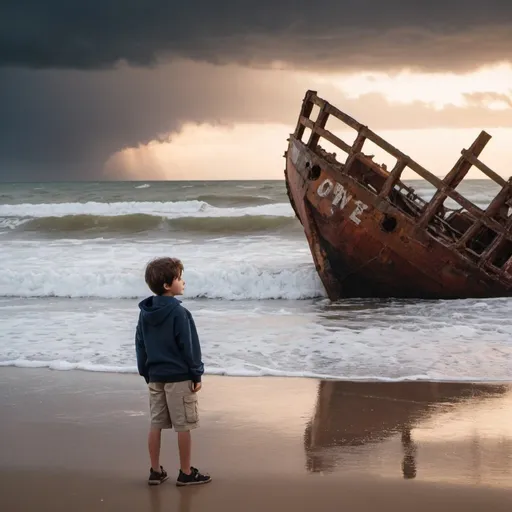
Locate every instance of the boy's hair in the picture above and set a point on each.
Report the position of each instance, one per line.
(162, 271)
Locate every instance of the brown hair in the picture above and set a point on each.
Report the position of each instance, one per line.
(162, 271)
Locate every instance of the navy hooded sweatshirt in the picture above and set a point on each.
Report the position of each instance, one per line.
(166, 342)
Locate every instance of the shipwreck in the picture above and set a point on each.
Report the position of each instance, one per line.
(371, 235)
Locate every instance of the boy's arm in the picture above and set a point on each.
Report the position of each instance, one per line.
(188, 342)
(140, 350)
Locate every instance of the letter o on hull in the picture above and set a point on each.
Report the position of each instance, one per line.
(325, 188)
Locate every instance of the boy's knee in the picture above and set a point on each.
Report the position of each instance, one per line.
(180, 429)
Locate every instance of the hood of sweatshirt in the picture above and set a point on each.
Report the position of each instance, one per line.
(157, 308)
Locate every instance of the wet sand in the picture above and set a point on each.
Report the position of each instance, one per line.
(77, 440)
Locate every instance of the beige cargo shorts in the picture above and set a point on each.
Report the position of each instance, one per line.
(173, 404)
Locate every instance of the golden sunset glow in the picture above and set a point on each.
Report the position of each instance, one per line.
(445, 112)
(437, 89)
(254, 151)
(207, 152)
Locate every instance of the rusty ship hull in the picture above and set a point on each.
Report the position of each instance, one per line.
(370, 235)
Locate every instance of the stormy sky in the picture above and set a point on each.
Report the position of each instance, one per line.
(80, 81)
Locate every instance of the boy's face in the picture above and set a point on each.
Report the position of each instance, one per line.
(176, 288)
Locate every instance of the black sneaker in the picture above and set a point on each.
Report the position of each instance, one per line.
(195, 478)
(157, 477)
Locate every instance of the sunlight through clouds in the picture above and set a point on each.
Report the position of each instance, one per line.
(438, 89)
(255, 151)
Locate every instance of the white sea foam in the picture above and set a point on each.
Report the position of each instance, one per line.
(263, 372)
(171, 210)
(233, 271)
(401, 341)
(231, 283)
(12, 222)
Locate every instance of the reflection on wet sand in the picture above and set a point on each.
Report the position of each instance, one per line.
(427, 430)
(409, 460)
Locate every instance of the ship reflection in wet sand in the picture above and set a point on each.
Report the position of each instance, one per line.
(445, 432)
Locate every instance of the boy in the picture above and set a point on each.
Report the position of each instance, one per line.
(169, 359)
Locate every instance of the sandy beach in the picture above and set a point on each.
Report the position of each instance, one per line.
(77, 440)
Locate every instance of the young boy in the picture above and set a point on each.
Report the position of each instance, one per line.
(169, 359)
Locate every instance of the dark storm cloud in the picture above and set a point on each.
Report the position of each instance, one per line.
(324, 34)
(68, 100)
(65, 124)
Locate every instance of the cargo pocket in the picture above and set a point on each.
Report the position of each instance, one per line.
(191, 413)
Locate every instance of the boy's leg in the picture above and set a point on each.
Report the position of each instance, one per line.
(160, 419)
(154, 443)
(185, 449)
(182, 402)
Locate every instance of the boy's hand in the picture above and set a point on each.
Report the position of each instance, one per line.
(196, 386)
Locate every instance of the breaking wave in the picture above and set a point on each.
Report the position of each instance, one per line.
(171, 209)
(236, 282)
(133, 223)
(137, 223)
(226, 225)
(235, 200)
(132, 218)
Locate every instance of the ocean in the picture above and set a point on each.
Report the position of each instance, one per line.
(73, 256)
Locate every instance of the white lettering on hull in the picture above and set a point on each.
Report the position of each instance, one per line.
(341, 196)
(325, 188)
(358, 210)
(340, 199)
